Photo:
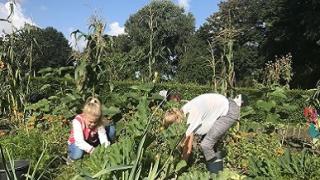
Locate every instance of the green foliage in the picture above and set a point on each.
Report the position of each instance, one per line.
(273, 106)
(28, 144)
(193, 65)
(15, 72)
(314, 98)
(243, 145)
(289, 107)
(245, 18)
(159, 30)
(293, 18)
(31, 174)
(262, 26)
(21, 55)
(289, 165)
(70, 103)
(203, 175)
(46, 47)
(54, 49)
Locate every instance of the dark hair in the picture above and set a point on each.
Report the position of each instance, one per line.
(172, 95)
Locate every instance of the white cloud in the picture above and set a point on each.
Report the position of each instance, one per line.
(76, 44)
(184, 4)
(18, 19)
(114, 29)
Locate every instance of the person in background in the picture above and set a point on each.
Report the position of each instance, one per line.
(110, 127)
(312, 120)
(208, 115)
(170, 95)
(87, 130)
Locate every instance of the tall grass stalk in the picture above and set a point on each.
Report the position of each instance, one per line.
(17, 73)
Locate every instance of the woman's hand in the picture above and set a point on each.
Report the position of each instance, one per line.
(187, 147)
(106, 144)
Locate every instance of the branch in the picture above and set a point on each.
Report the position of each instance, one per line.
(7, 20)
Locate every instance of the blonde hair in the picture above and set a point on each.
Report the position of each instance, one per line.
(93, 107)
(171, 116)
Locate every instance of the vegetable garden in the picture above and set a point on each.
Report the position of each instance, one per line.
(270, 141)
(259, 146)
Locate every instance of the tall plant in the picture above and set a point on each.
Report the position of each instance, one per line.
(226, 78)
(92, 67)
(278, 72)
(16, 72)
(314, 99)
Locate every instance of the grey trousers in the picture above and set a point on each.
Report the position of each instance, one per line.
(219, 128)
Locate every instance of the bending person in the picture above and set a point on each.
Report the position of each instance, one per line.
(208, 115)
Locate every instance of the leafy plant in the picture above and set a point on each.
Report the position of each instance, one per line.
(28, 144)
(289, 165)
(16, 73)
(273, 106)
(279, 71)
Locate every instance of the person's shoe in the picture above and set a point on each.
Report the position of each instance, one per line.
(217, 156)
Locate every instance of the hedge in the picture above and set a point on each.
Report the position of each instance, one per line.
(251, 95)
(188, 91)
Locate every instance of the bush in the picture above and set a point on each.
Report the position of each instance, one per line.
(295, 98)
(28, 144)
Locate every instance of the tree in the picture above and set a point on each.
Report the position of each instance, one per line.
(248, 19)
(296, 31)
(158, 32)
(271, 28)
(50, 47)
(54, 46)
(193, 66)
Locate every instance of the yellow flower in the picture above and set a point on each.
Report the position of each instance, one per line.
(2, 65)
(279, 151)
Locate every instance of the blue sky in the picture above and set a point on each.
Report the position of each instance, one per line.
(68, 15)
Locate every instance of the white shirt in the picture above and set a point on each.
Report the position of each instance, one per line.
(79, 137)
(203, 111)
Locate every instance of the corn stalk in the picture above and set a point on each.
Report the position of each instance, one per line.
(226, 79)
(16, 73)
(93, 64)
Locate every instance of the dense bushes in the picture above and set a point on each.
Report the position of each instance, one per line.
(47, 135)
(289, 103)
(276, 104)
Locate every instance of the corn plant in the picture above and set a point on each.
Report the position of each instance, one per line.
(225, 77)
(94, 67)
(212, 64)
(16, 73)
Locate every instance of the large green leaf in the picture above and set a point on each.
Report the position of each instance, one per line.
(289, 107)
(115, 168)
(278, 93)
(147, 87)
(265, 105)
(180, 165)
(110, 111)
(272, 117)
